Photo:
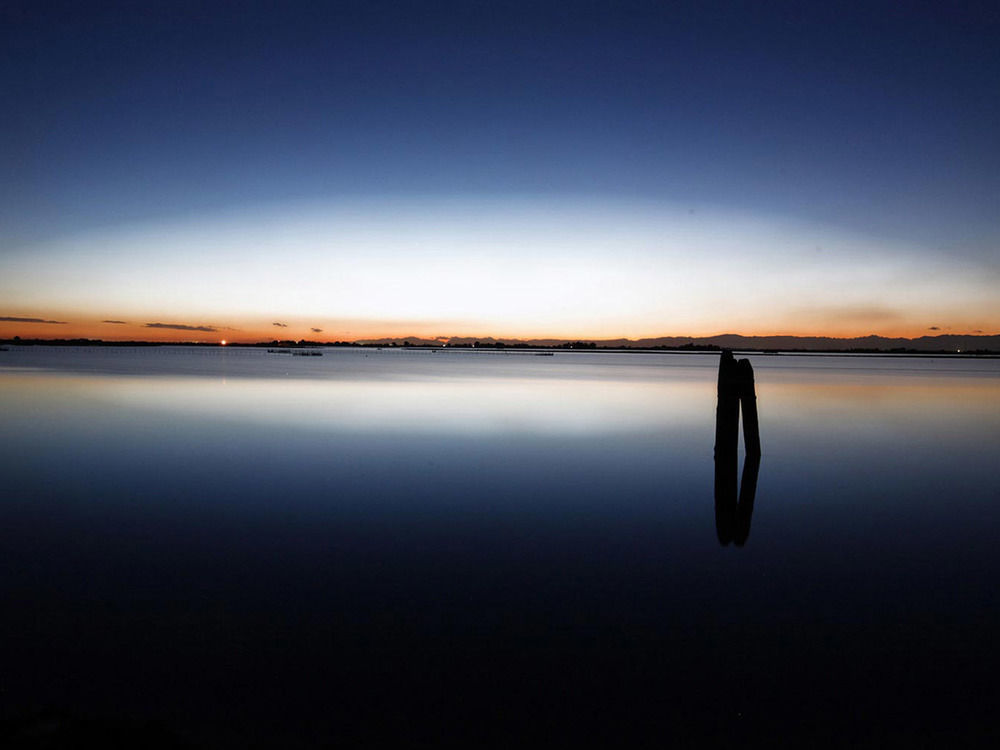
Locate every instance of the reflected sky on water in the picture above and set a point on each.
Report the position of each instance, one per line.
(301, 549)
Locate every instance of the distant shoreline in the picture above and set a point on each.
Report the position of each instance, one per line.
(498, 346)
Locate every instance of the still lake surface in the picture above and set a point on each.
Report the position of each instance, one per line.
(260, 549)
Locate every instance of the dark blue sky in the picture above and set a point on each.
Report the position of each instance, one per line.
(869, 116)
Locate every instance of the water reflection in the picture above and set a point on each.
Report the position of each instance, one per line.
(734, 509)
(268, 560)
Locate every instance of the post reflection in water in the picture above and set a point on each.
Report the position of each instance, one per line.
(736, 393)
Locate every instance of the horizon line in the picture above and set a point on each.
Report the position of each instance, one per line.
(443, 340)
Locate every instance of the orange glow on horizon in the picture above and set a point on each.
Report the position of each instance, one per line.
(256, 332)
(518, 269)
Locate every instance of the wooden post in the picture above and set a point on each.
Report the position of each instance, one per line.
(727, 419)
(748, 405)
(727, 414)
(736, 393)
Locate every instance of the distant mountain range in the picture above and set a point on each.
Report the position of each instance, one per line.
(944, 342)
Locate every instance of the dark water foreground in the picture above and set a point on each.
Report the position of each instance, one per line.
(211, 548)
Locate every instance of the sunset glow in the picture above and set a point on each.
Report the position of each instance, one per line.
(498, 268)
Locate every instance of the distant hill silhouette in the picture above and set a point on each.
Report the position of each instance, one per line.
(944, 342)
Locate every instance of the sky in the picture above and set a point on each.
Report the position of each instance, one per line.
(331, 171)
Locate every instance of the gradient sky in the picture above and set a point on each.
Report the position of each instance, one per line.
(577, 169)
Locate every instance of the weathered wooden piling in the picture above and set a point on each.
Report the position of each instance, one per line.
(727, 419)
(727, 414)
(736, 393)
(748, 407)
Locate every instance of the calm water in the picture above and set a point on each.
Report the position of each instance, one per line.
(258, 549)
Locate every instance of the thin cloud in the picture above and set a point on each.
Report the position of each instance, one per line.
(934, 328)
(12, 319)
(181, 327)
(316, 330)
(280, 325)
(116, 322)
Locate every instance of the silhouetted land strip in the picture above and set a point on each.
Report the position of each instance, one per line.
(583, 346)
